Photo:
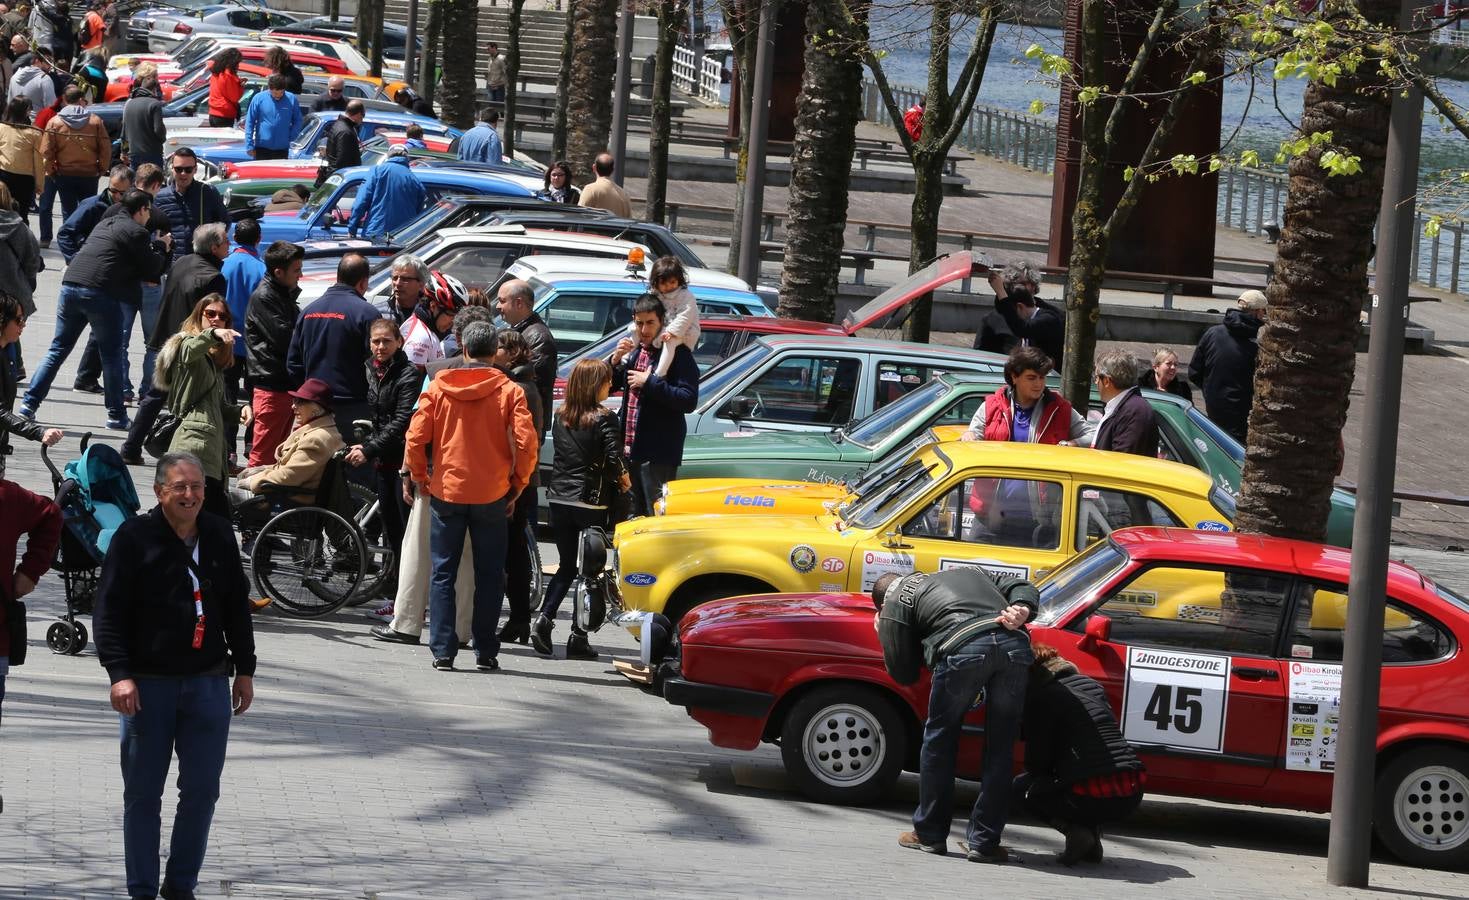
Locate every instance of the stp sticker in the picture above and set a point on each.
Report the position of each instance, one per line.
(640, 579)
(832, 564)
(803, 558)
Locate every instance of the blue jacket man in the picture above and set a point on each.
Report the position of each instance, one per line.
(391, 198)
(242, 271)
(89, 212)
(188, 203)
(330, 338)
(482, 142)
(272, 121)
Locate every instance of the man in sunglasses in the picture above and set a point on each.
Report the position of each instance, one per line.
(335, 98)
(343, 148)
(188, 202)
(89, 212)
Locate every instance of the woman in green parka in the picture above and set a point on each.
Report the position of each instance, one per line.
(194, 360)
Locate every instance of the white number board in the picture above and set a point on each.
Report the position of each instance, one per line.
(1175, 699)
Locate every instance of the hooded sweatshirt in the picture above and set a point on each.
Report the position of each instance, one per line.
(76, 143)
(20, 259)
(32, 83)
(142, 123)
(482, 436)
(1224, 366)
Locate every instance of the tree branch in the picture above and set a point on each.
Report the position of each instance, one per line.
(1166, 8)
(971, 77)
(1441, 103)
(880, 78)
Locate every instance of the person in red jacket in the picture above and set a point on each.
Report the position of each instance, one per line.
(225, 89)
(36, 517)
(913, 120)
(1027, 411)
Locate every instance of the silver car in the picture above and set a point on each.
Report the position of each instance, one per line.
(172, 28)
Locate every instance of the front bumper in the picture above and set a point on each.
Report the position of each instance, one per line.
(715, 697)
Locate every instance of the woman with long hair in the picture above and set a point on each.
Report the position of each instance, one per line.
(21, 166)
(193, 361)
(513, 358)
(558, 187)
(225, 89)
(279, 61)
(586, 479)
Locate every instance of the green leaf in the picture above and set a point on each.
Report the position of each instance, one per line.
(1215, 164)
(1088, 95)
(1037, 107)
(1250, 158)
(1196, 78)
(1127, 173)
(1432, 226)
(1034, 51)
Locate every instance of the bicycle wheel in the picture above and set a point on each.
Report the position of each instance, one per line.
(537, 572)
(381, 570)
(309, 561)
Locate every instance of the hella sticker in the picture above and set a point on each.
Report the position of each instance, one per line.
(1209, 525)
(741, 500)
(640, 579)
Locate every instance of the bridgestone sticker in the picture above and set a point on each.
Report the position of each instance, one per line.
(989, 565)
(1314, 716)
(1175, 699)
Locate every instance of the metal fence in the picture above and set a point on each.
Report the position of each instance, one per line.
(704, 83)
(1026, 141)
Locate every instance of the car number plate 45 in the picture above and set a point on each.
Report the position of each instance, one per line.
(1175, 699)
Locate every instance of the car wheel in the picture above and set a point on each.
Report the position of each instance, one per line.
(1421, 809)
(843, 743)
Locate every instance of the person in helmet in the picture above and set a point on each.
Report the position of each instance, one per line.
(433, 319)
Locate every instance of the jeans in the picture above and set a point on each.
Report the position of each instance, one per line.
(517, 557)
(152, 303)
(567, 524)
(392, 511)
(73, 189)
(648, 480)
(46, 206)
(76, 308)
(89, 370)
(497, 94)
(998, 661)
(347, 412)
(4, 670)
(190, 715)
(487, 527)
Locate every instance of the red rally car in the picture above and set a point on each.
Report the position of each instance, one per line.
(1221, 654)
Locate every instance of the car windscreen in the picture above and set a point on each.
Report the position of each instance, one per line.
(906, 484)
(175, 107)
(420, 248)
(598, 349)
(426, 222)
(1451, 597)
(1070, 584)
(1229, 445)
(714, 382)
(876, 428)
(307, 137)
(320, 196)
(878, 474)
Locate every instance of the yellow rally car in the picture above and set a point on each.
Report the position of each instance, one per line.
(1019, 508)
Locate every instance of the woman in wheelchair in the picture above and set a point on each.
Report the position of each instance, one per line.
(302, 458)
(190, 368)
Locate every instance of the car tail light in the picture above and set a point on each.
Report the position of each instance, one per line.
(183, 28)
(228, 171)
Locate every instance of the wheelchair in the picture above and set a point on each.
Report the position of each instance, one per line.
(311, 559)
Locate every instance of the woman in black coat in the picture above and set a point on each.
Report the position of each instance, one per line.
(1163, 376)
(513, 358)
(392, 389)
(586, 479)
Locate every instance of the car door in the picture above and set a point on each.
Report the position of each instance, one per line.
(1005, 521)
(1189, 660)
(797, 390)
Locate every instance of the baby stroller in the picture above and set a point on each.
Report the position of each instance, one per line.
(96, 495)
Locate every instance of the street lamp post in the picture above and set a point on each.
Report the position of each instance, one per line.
(1350, 844)
(622, 91)
(754, 200)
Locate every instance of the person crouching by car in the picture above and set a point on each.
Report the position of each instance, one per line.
(964, 624)
(586, 478)
(1080, 773)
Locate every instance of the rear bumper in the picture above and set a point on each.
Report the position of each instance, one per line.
(715, 698)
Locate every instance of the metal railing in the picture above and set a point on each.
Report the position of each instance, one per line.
(704, 83)
(1026, 141)
(1454, 37)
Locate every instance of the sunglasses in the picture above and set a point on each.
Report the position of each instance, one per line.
(216, 315)
(185, 170)
(333, 90)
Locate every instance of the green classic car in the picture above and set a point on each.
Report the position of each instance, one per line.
(842, 454)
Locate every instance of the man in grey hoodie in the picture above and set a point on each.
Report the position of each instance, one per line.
(143, 132)
(33, 83)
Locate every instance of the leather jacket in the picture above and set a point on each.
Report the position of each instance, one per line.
(270, 318)
(588, 462)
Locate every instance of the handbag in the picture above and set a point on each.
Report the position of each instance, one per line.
(15, 623)
(161, 434)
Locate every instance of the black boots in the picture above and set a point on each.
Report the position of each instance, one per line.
(540, 635)
(578, 647)
(515, 631)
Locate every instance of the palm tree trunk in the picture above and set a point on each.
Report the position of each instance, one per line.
(512, 75)
(563, 85)
(821, 164)
(428, 66)
(373, 33)
(742, 18)
(670, 23)
(589, 94)
(458, 89)
(1308, 345)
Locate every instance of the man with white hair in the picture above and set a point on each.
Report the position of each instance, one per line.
(1224, 364)
(1029, 319)
(410, 279)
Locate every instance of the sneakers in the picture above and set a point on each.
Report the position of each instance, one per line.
(487, 664)
(129, 398)
(87, 387)
(996, 855)
(911, 841)
(444, 664)
(122, 424)
(383, 614)
(132, 459)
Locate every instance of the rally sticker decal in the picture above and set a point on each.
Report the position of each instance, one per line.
(1315, 711)
(877, 563)
(989, 565)
(803, 558)
(1175, 699)
(833, 564)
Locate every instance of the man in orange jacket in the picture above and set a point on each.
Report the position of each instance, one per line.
(484, 445)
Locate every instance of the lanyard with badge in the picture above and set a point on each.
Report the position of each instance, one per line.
(198, 642)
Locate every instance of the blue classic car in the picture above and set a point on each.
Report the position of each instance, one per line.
(325, 215)
(313, 132)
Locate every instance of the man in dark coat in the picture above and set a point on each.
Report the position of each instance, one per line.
(517, 308)
(191, 278)
(335, 98)
(1080, 773)
(653, 407)
(343, 148)
(189, 202)
(330, 343)
(1224, 365)
(1030, 319)
(270, 320)
(965, 624)
(1129, 424)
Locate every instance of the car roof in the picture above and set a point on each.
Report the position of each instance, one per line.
(767, 325)
(778, 342)
(543, 236)
(631, 286)
(1079, 462)
(1252, 551)
(585, 212)
(551, 268)
(450, 177)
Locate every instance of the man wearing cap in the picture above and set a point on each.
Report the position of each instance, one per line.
(965, 625)
(1223, 365)
(302, 457)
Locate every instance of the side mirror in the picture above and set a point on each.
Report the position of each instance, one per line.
(740, 408)
(893, 540)
(1098, 628)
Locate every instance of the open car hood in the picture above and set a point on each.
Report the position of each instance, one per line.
(944, 270)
